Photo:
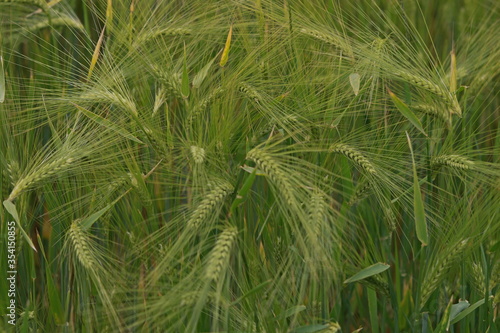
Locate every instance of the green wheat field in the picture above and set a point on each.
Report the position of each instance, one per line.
(250, 166)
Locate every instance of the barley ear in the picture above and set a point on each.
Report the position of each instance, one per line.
(219, 256)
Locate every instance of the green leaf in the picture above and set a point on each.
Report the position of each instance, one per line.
(406, 112)
(2, 81)
(372, 309)
(185, 77)
(368, 271)
(466, 312)
(354, 80)
(458, 308)
(106, 123)
(11, 208)
(309, 328)
(418, 204)
(443, 325)
(87, 222)
(243, 192)
(292, 311)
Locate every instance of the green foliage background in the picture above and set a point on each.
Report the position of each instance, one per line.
(251, 166)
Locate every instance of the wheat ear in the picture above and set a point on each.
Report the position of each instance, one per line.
(453, 161)
(38, 175)
(220, 254)
(354, 155)
(80, 240)
(439, 268)
(266, 163)
(211, 200)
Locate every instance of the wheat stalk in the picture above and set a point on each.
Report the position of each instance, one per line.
(354, 155)
(220, 253)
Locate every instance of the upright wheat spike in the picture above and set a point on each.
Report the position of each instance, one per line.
(453, 161)
(220, 253)
(210, 201)
(198, 154)
(439, 268)
(266, 163)
(354, 155)
(40, 174)
(317, 212)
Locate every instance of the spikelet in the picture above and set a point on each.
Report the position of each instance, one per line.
(40, 174)
(439, 268)
(198, 154)
(267, 164)
(453, 161)
(220, 254)
(80, 241)
(354, 155)
(210, 201)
